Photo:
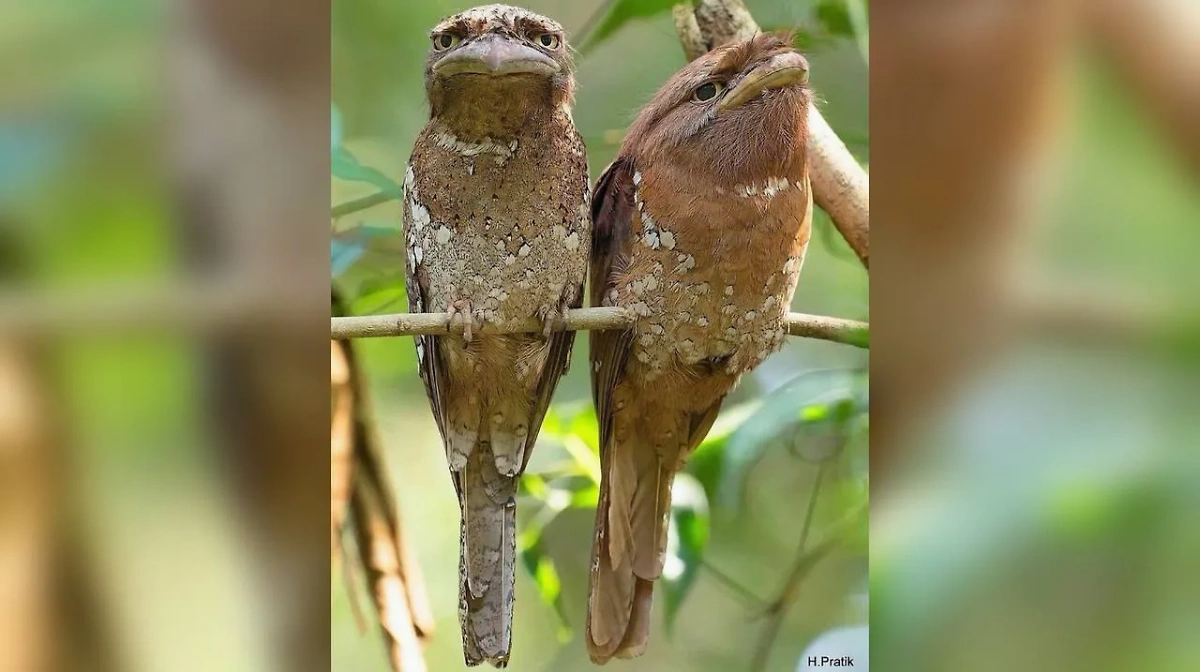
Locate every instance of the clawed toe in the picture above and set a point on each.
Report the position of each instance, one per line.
(552, 319)
(462, 308)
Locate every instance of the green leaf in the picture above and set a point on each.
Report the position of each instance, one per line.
(549, 586)
(615, 14)
(686, 542)
(533, 485)
(835, 18)
(585, 498)
(846, 19)
(807, 416)
(857, 12)
(579, 434)
(345, 167)
(706, 462)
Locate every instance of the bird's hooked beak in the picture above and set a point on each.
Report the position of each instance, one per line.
(783, 70)
(496, 56)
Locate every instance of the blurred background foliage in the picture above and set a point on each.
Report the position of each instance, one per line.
(776, 496)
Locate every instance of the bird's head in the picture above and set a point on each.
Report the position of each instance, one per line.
(736, 111)
(495, 58)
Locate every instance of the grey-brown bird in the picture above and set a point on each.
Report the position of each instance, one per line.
(497, 230)
(700, 228)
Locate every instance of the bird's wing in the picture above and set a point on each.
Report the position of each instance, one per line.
(428, 357)
(612, 211)
(557, 362)
(612, 587)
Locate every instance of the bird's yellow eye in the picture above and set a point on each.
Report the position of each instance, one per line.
(549, 40)
(444, 41)
(707, 91)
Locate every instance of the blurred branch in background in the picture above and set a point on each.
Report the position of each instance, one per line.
(840, 185)
(361, 490)
(851, 332)
(1155, 49)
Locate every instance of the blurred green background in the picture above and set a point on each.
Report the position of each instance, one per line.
(741, 511)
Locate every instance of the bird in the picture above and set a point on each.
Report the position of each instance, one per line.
(700, 226)
(497, 231)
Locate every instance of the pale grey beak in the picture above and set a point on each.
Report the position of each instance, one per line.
(496, 56)
(784, 70)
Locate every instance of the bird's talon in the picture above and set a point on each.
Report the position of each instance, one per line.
(552, 319)
(462, 308)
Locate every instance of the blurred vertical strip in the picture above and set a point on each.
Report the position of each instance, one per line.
(1035, 335)
(361, 492)
(251, 110)
(162, 488)
(27, 525)
(962, 105)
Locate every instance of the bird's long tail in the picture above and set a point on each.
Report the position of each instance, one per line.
(628, 548)
(487, 550)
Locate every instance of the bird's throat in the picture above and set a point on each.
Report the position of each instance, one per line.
(480, 107)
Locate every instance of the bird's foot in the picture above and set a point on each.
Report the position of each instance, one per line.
(554, 318)
(462, 308)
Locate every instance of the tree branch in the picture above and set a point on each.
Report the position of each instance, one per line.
(840, 186)
(358, 204)
(850, 332)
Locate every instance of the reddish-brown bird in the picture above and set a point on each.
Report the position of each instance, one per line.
(496, 206)
(700, 227)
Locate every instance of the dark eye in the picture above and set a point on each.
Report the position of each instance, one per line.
(444, 41)
(549, 40)
(707, 91)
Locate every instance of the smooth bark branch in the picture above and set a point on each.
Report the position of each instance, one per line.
(851, 332)
(840, 185)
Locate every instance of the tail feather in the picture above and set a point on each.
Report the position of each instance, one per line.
(487, 554)
(629, 548)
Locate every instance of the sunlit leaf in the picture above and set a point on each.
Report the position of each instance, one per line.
(549, 586)
(586, 427)
(586, 498)
(823, 427)
(686, 543)
(578, 433)
(533, 485)
(617, 13)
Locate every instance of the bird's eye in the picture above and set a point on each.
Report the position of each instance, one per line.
(444, 41)
(707, 91)
(549, 40)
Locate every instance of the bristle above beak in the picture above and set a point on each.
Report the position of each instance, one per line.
(782, 71)
(496, 56)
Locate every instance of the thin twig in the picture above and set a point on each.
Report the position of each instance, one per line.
(804, 562)
(840, 185)
(731, 583)
(851, 332)
(358, 204)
